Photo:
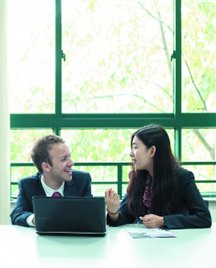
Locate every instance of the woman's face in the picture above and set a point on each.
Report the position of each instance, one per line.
(141, 156)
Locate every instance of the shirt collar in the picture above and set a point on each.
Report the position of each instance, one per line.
(49, 191)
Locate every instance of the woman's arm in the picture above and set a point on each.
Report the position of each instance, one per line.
(194, 212)
(121, 213)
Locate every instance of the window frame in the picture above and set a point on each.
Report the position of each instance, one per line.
(176, 120)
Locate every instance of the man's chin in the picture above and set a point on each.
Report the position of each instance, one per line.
(68, 178)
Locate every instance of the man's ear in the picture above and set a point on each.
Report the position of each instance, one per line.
(153, 151)
(45, 166)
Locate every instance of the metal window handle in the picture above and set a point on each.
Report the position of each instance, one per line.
(63, 55)
(173, 56)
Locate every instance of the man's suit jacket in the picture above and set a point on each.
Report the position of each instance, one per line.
(80, 185)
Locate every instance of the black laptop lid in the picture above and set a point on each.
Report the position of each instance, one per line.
(72, 215)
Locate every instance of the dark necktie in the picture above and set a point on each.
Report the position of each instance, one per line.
(148, 194)
(56, 194)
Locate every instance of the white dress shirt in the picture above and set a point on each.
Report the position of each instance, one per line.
(49, 192)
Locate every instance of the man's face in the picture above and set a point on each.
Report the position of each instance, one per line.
(61, 168)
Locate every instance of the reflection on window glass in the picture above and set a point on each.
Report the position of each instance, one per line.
(117, 56)
(198, 145)
(21, 143)
(199, 50)
(30, 46)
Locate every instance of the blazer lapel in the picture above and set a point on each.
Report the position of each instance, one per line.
(70, 189)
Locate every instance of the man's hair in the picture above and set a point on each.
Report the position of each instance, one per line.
(41, 149)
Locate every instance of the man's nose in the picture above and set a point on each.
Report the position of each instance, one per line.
(70, 162)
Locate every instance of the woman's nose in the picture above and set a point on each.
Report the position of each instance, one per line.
(131, 153)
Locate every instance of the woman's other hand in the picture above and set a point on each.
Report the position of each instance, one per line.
(152, 221)
(112, 202)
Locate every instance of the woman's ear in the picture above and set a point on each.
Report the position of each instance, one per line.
(153, 151)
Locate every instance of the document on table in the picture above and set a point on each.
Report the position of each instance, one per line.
(143, 232)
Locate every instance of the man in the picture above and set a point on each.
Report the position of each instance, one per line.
(55, 176)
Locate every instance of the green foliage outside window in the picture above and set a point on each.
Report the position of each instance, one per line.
(118, 61)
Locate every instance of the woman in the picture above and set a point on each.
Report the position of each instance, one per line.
(160, 192)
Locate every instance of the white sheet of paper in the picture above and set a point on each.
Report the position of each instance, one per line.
(143, 232)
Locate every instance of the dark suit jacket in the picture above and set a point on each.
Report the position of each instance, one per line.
(80, 185)
(191, 210)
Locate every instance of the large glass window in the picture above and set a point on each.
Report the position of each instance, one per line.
(116, 76)
(99, 144)
(199, 144)
(198, 61)
(31, 56)
(22, 141)
(117, 56)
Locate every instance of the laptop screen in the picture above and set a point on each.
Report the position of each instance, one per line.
(70, 215)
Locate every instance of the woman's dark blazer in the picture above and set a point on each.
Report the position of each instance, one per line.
(192, 210)
(80, 185)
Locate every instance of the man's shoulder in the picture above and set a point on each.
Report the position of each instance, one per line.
(78, 176)
(80, 173)
(31, 179)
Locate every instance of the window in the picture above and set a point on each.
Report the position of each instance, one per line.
(94, 78)
(198, 61)
(114, 56)
(31, 56)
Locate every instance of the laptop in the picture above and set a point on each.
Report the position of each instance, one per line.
(70, 215)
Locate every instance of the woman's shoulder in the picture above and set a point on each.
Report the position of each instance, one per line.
(183, 173)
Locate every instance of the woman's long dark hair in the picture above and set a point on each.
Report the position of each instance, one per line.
(164, 188)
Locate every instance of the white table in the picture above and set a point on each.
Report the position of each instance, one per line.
(22, 247)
